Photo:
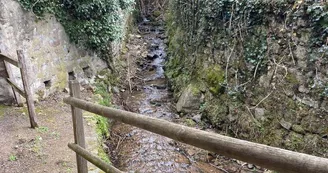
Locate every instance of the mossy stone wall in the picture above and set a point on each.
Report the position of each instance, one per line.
(263, 64)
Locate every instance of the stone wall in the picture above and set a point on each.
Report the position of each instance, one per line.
(260, 66)
(52, 59)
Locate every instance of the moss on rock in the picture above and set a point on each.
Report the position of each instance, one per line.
(294, 141)
(214, 77)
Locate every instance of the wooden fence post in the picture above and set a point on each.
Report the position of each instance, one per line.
(27, 88)
(16, 94)
(10, 76)
(74, 89)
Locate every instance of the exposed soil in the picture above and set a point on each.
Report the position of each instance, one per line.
(38, 150)
(147, 93)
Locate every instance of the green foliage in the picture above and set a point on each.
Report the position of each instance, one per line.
(42, 129)
(102, 126)
(255, 49)
(214, 77)
(189, 122)
(101, 89)
(218, 22)
(90, 23)
(105, 100)
(12, 158)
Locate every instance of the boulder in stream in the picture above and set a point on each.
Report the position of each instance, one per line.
(190, 100)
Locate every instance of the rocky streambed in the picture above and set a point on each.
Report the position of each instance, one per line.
(147, 93)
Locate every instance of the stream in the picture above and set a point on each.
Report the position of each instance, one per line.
(137, 150)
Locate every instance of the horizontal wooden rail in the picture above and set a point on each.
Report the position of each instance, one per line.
(265, 156)
(16, 87)
(10, 60)
(93, 159)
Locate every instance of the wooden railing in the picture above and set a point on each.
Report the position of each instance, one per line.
(265, 156)
(26, 92)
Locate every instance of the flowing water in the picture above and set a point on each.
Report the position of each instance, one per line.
(137, 150)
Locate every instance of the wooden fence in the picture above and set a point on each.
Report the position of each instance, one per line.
(265, 156)
(26, 92)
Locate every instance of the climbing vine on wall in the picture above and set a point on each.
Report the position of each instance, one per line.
(90, 23)
(205, 17)
(232, 24)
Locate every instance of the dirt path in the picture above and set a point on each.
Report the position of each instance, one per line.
(141, 151)
(39, 150)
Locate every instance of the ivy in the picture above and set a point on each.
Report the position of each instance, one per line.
(218, 22)
(89, 23)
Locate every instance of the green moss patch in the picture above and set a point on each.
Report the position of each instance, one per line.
(3, 109)
(214, 77)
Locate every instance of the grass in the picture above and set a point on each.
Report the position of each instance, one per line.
(55, 134)
(37, 146)
(42, 129)
(12, 158)
(104, 97)
(189, 122)
(2, 110)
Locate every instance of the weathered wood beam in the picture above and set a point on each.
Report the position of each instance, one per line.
(93, 159)
(78, 129)
(10, 60)
(16, 87)
(15, 92)
(265, 156)
(27, 88)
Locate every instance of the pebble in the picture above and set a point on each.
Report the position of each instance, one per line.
(250, 166)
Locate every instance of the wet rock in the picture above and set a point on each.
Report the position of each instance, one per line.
(259, 114)
(189, 100)
(285, 124)
(250, 166)
(155, 103)
(154, 46)
(160, 87)
(144, 54)
(162, 36)
(152, 68)
(298, 129)
(303, 89)
(152, 56)
(66, 90)
(197, 118)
